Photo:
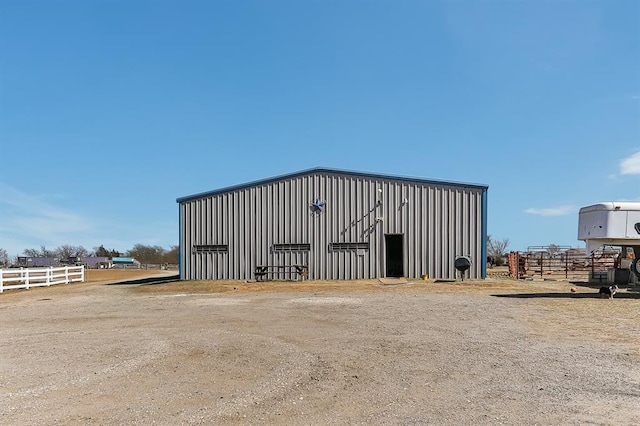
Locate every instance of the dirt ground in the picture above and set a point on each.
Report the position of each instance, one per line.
(483, 352)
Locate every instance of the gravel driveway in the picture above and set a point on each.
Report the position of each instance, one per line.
(418, 353)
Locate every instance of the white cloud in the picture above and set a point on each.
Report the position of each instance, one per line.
(30, 221)
(552, 211)
(631, 165)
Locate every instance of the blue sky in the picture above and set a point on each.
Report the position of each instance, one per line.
(110, 110)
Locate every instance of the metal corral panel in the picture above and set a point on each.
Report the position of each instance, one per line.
(341, 224)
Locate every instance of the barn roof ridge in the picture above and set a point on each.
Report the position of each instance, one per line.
(314, 170)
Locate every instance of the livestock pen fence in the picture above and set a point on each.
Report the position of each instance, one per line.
(565, 262)
(14, 278)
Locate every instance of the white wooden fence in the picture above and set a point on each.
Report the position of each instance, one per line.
(39, 277)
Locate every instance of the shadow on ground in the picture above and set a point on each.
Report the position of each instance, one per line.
(585, 290)
(149, 280)
(594, 295)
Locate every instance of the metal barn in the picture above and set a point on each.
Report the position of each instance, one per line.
(338, 225)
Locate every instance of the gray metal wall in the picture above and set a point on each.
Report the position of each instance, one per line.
(438, 221)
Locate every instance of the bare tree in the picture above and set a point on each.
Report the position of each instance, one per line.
(103, 252)
(147, 254)
(497, 249)
(4, 258)
(41, 252)
(31, 252)
(46, 252)
(553, 249)
(67, 251)
(171, 256)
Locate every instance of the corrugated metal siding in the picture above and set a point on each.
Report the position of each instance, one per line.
(438, 222)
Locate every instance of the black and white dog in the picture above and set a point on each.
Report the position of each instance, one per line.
(608, 291)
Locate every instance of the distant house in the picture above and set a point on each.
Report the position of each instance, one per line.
(125, 262)
(36, 262)
(94, 262)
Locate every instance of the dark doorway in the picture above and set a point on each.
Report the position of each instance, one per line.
(394, 255)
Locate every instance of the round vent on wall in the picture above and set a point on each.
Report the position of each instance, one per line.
(318, 206)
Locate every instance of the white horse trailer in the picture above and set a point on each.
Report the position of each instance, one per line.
(611, 223)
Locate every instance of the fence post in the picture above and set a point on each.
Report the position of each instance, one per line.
(82, 273)
(541, 264)
(1, 275)
(66, 274)
(49, 276)
(26, 281)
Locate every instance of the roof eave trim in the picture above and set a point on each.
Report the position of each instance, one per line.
(330, 171)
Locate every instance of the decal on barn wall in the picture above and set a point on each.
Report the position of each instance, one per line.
(318, 206)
